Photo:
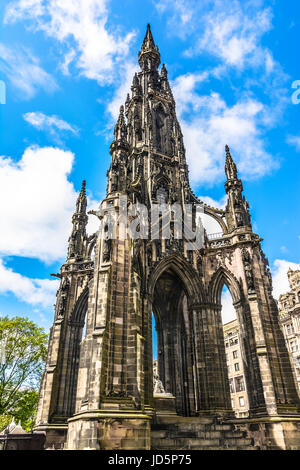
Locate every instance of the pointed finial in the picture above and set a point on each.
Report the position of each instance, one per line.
(135, 80)
(230, 166)
(120, 132)
(81, 200)
(82, 191)
(148, 42)
(164, 72)
(149, 56)
(121, 119)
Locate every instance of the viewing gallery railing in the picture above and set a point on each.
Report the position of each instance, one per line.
(215, 236)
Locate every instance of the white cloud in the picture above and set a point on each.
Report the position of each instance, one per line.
(32, 291)
(280, 278)
(81, 26)
(221, 204)
(294, 141)
(234, 36)
(180, 14)
(68, 59)
(121, 92)
(184, 91)
(208, 124)
(41, 203)
(37, 219)
(49, 123)
(229, 29)
(22, 69)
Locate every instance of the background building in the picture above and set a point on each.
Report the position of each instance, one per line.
(289, 312)
(235, 367)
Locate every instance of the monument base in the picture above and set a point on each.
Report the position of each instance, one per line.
(98, 430)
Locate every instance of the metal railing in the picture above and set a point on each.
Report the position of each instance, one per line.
(215, 236)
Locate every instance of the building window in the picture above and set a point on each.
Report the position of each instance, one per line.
(241, 401)
(226, 345)
(236, 366)
(293, 346)
(231, 386)
(289, 329)
(235, 354)
(239, 384)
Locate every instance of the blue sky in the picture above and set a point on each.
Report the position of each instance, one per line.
(68, 65)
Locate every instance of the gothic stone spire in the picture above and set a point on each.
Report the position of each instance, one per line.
(230, 166)
(79, 221)
(81, 200)
(149, 56)
(237, 210)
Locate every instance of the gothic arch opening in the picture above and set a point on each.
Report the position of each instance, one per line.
(75, 331)
(238, 341)
(174, 353)
(235, 356)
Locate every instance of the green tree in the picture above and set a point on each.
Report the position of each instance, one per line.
(23, 350)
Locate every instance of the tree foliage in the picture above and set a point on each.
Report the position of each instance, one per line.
(23, 349)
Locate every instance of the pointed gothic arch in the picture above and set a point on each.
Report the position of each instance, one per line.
(66, 394)
(174, 287)
(224, 277)
(221, 277)
(185, 272)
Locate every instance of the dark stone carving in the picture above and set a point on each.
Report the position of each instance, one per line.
(106, 254)
(64, 290)
(248, 270)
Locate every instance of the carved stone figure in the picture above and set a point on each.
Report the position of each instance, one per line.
(248, 270)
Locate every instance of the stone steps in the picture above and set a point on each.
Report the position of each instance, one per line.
(178, 433)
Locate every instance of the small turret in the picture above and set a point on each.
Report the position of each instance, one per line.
(164, 72)
(230, 166)
(81, 200)
(79, 220)
(237, 210)
(120, 132)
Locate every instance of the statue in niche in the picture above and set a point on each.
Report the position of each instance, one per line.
(114, 181)
(107, 245)
(199, 265)
(149, 255)
(107, 242)
(137, 127)
(239, 219)
(248, 270)
(158, 387)
(160, 123)
(237, 199)
(78, 244)
(75, 244)
(72, 246)
(162, 195)
(63, 297)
